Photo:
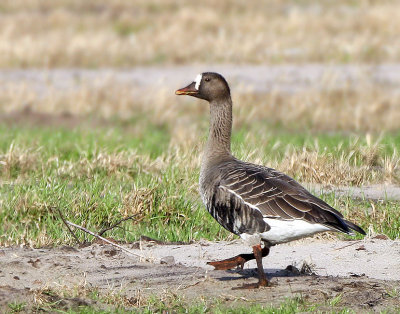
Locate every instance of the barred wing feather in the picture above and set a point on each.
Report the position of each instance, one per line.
(278, 196)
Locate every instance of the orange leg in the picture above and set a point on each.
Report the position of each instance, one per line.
(262, 282)
(229, 263)
(239, 260)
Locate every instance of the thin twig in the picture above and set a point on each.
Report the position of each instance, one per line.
(104, 239)
(65, 223)
(347, 245)
(116, 224)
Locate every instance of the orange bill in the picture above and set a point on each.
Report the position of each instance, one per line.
(188, 90)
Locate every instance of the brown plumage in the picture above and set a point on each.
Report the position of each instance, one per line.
(257, 203)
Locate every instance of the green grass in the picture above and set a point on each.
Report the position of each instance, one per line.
(73, 144)
(293, 305)
(111, 302)
(17, 307)
(382, 216)
(177, 304)
(97, 176)
(106, 301)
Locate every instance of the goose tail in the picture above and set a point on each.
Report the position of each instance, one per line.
(354, 227)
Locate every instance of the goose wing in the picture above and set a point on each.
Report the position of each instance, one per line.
(276, 195)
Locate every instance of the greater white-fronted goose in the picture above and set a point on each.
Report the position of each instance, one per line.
(260, 204)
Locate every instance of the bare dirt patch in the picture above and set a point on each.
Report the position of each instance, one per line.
(359, 274)
(378, 192)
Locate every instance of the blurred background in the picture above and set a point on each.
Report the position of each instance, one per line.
(89, 122)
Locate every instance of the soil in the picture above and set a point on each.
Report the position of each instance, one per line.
(364, 273)
(376, 192)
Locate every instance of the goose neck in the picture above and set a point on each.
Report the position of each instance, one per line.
(219, 137)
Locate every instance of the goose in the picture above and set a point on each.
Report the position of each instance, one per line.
(263, 206)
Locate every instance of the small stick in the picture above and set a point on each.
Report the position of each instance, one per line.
(69, 229)
(347, 245)
(116, 224)
(105, 240)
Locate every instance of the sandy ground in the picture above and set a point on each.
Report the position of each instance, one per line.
(364, 272)
(384, 192)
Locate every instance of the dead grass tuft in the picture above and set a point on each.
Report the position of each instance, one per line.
(54, 298)
(316, 168)
(126, 164)
(16, 162)
(138, 202)
(391, 166)
(361, 163)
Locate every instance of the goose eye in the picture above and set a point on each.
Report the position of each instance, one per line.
(207, 79)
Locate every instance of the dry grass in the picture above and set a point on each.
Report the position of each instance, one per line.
(17, 161)
(126, 33)
(57, 298)
(364, 107)
(360, 164)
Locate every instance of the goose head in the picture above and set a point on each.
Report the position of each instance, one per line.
(209, 86)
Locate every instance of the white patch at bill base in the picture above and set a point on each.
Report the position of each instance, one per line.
(198, 81)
